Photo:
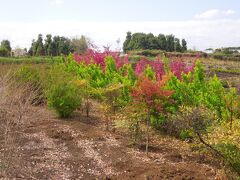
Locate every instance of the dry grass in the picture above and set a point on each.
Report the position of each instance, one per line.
(15, 102)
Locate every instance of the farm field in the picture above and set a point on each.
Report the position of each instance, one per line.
(78, 148)
(61, 121)
(120, 90)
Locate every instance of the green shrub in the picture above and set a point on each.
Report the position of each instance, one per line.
(63, 92)
(185, 134)
(64, 98)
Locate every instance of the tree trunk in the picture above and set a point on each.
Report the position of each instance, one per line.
(147, 138)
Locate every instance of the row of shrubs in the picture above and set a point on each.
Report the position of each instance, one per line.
(31, 60)
(227, 57)
(190, 54)
(155, 53)
(191, 106)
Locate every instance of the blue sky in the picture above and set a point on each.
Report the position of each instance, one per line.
(204, 23)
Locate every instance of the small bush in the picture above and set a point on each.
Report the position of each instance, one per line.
(187, 121)
(185, 134)
(63, 92)
(64, 98)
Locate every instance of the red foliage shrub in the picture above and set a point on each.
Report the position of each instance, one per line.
(151, 94)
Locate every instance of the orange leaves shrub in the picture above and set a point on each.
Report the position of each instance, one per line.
(151, 95)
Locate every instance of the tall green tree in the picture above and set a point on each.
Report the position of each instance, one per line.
(65, 46)
(152, 41)
(184, 45)
(139, 41)
(39, 46)
(5, 48)
(48, 45)
(33, 49)
(170, 43)
(162, 42)
(177, 45)
(6, 44)
(3, 52)
(127, 41)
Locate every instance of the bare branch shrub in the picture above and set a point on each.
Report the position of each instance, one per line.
(15, 101)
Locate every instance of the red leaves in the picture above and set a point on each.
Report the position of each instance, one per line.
(157, 66)
(96, 57)
(151, 94)
(177, 67)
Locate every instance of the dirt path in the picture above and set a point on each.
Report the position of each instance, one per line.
(80, 149)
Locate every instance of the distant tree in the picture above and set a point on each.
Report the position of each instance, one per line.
(184, 45)
(127, 41)
(142, 41)
(5, 48)
(4, 52)
(170, 43)
(32, 50)
(6, 44)
(139, 41)
(177, 45)
(56, 40)
(65, 46)
(162, 42)
(80, 45)
(53, 46)
(152, 41)
(61, 45)
(39, 46)
(48, 45)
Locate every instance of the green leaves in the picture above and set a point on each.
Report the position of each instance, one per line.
(64, 98)
(195, 90)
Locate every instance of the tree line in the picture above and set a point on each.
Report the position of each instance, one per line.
(142, 41)
(50, 46)
(57, 45)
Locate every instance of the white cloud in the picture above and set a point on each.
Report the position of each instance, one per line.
(215, 13)
(208, 14)
(229, 12)
(57, 2)
(198, 33)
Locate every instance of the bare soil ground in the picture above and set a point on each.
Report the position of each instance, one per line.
(80, 148)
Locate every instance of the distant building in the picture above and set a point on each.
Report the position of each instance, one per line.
(209, 51)
(17, 52)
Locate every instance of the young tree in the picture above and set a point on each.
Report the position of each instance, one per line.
(150, 97)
